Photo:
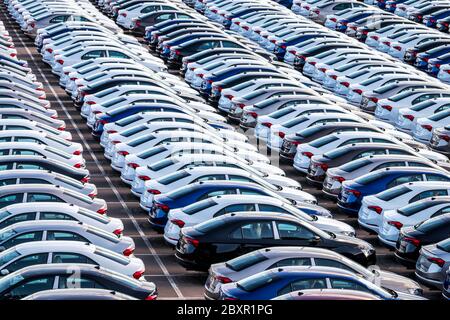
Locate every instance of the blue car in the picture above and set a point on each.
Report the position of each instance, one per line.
(278, 281)
(342, 24)
(189, 194)
(432, 19)
(205, 90)
(239, 13)
(423, 58)
(280, 47)
(353, 191)
(165, 50)
(126, 111)
(435, 64)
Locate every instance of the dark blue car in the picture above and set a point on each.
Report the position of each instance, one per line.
(278, 281)
(161, 25)
(423, 58)
(189, 194)
(280, 47)
(435, 16)
(353, 191)
(342, 24)
(165, 50)
(205, 90)
(126, 111)
(435, 64)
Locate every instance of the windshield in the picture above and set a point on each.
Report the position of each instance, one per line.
(168, 179)
(257, 281)
(8, 255)
(199, 206)
(355, 165)
(245, 261)
(393, 193)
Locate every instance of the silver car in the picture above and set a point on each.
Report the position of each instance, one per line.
(433, 263)
(269, 258)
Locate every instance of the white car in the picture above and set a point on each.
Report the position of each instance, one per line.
(216, 206)
(409, 215)
(423, 130)
(51, 252)
(179, 162)
(57, 230)
(332, 141)
(32, 125)
(125, 16)
(25, 114)
(407, 117)
(117, 152)
(58, 211)
(33, 148)
(19, 104)
(294, 110)
(397, 49)
(23, 96)
(279, 131)
(29, 176)
(186, 176)
(387, 109)
(373, 37)
(27, 193)
(372, 207)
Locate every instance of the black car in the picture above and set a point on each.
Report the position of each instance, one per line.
(17, 162)
(30, 280)
(78, 294)
(152, 18)
(411, 239)
(169, 30)
(334, 158)
(232, 235)
(291, 141)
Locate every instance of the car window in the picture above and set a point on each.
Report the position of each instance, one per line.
(332, 263)
(428, 194)
(7, 182)
(18, 218)
(271, 208)
(435, 177)
(94, 54)
(118, 54)
(72, 281)
(31, 286)
(405, 179)
(33, 181)
(304, 284)
(390, 164)
(289, 262)
(236, 208)
(355, 140)
(254, 231)
(29, 166)
(55, 216)
(42, 197)
(64, 236)
(10, 199)
(65, 257)
(347, 285)
(369, 153)
(239, 178)
(291, 231)
(59, 19)
(24, 152)
(217, 193)
(30, 260)
(23, 238)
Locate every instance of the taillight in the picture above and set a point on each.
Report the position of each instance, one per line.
(153, 191)
(77, 152)
(164, 207)
(413, 241)
(437, 261)
(358, 91)
(373, 99)
(133, 165)
(102, 210)
(60, 61)
(138, 23)
(62, 128)
(229, 96)
(178, 222)
(281, 134)
(49, 50)
(92, 195)
(123, 153)
(253, 114)
(123, 14)
(90, 102)
(345, 84)
(138, 274)
(111, 131)
(78, 165)
(128, 251)
(409, 117)
(266, 124)
(223, 279)
(427, 127)
(356, 193)
(375, 38)
(85, 180)
(323, 166)
(386, 107)
(339, 179)
(144, 178)
(194, 242)
(333, 76)
(398, 48)
(377, 209)
(152, 297)
(307, 154)
(396, 224)
(444, 137)
(118, 232)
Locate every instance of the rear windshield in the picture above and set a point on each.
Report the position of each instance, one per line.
(159, 165)
(257, 281)
(444, 245)
(168, 179)
(180, 192)
(415, 207)
(323, 141)
(199, 206)
(245, 261)
(335, 153)
(209, 225)
(369, 178)
(393, 193)
(355, 165)
(151, 152)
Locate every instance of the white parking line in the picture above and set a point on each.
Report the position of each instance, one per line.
(113, 188)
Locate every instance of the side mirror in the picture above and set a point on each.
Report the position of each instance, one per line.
(4, 272)
(314, 239)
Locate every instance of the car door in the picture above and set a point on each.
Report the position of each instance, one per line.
(404, 179)
(347, 284)
(27, 287)
(428, 194)
(252, 236)
(10, 199)
(94, 54)
(42, 197)
(293, 234)
(304, 284)
(17, 218)
(25, 261)
(22, 238)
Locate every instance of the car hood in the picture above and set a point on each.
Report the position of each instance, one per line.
(399, 283)
(341, 229)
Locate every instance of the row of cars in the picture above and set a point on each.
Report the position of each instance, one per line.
(209, 71)
(401, 37)
(55, 233)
